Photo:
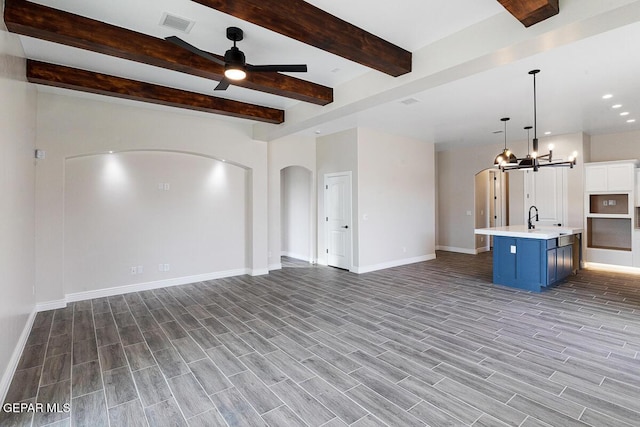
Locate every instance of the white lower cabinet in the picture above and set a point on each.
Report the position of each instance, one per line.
(636, 247)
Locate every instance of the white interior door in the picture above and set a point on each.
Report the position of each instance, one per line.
(546, 189)
(338, 219)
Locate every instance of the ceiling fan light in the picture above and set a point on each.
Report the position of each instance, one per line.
(233, 73)
(235, 68)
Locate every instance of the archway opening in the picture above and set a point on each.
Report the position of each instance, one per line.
(296, 215)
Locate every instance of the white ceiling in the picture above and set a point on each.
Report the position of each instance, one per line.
(464, 111)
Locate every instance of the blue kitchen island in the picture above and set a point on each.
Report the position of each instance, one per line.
(533, 259)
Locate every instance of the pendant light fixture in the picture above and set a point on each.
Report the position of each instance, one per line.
(506, 157)
(533, 160)
(529, 161)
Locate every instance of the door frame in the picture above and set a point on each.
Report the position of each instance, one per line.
(326, 209)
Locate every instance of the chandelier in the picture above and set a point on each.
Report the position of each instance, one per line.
(507, 161)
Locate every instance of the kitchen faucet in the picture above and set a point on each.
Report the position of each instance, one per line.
(530, 224)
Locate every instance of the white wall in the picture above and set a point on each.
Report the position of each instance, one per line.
(117, 217)
(296, 212)
(395, 199)
(337, 153)
(17, 180)
(76, 126)
(285, 152)
(456, 181)
(393, 193)
(615, 146)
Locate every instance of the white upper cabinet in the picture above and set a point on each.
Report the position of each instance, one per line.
(620, 177)
(610, 176)
(595, 177)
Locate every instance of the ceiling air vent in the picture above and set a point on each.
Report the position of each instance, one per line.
(176, 23)
(409, 101)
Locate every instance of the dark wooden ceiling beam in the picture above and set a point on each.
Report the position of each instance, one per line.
(57, 26)
(302, 21)
(103, 84)
(530, 12)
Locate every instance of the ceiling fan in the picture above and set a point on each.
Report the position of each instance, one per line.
(235, 64)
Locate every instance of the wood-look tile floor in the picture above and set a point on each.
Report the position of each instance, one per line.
(433, 343)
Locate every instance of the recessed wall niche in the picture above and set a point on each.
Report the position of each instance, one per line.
(148, 208)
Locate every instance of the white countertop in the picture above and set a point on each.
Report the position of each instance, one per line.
(522, 231)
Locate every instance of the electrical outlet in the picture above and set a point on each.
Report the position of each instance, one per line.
(134, 270)
(167, 186)
(612, 202)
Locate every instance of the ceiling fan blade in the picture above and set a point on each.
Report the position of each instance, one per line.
(223, 85)
(302, 68)
(183, 44)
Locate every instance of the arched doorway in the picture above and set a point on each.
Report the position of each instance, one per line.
(296, 213)
(491, 203)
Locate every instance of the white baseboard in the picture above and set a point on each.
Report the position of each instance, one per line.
(10, 370)
(395, 263)
(51, 305)
(137, 287)
(459, 250)
(296, 256)
(276, 266)
(258, 272)
(481, 250)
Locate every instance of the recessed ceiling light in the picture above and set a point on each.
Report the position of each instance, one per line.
(624, 113)
(631, 121)
(607, 96)
(547, 133)
(616, 106)
(110, 152)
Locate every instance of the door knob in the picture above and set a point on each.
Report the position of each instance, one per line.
(345, 226)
